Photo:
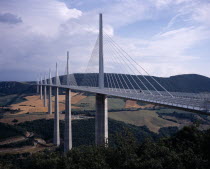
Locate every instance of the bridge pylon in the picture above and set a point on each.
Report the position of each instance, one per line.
(50, 95)
(101, 118)
(68, 126)
(45, 91)
(56, 139)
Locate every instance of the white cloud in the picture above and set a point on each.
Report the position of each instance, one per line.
(168, 45)
(35, 44)
(126, 11)
(166, 3)
(166, 69)
(201, 14)
(41, 17)
(166, 54)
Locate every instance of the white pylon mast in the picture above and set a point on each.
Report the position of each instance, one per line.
(101, 60)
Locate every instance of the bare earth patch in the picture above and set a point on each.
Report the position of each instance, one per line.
(133, 104)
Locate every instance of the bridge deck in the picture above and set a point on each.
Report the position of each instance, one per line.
(186, 101)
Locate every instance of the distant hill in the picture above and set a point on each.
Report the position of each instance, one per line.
(12, 87)
(179, 83)
(190, 82)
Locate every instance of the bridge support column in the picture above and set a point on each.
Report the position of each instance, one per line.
(45, 96)
(68, 127)
(56, 140)
(101, 120)
(50, 100)
(41, 92)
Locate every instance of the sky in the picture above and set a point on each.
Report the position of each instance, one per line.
(166, 37)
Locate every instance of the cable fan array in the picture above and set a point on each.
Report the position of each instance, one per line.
(122, 74)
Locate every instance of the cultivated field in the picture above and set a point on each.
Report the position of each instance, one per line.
(133, 104)
(148, 118)
(34, 104)
(32, 108)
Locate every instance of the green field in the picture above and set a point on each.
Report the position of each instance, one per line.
(142, 117)
(88, 103)
(116, 103)
(139, 118)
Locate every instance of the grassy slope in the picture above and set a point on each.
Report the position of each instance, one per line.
(148, 118)
(143, 117)
(88, 103)
(10, 99)
(116, 103)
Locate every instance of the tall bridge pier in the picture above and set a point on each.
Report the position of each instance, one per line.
(45, 92)
(56, 139)
(50, 100)
(50, 95)
(68, 126)
(101, 118)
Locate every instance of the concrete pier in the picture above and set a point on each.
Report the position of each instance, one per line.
(45, 96)
(68, 127)
(56, 139)
(101, 120)
(50, 100)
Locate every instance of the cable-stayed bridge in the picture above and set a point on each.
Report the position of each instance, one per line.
(111, 71)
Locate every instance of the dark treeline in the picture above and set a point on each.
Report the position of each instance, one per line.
(83, 131)
(187, 149)
(200, 118)
(92, 112)
(7, 131)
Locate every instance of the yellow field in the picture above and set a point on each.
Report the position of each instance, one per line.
(33, 104)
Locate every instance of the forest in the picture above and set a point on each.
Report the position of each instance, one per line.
(187, 149)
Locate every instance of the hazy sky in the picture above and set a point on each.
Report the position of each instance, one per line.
(167, 37)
